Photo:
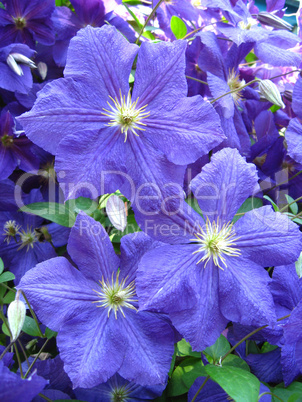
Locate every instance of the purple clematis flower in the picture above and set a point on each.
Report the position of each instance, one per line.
(27, 21)
(15, 64)
(100, 332)
(14, 150)
(13, 388)
(110, 139)
(87, 12)
(214, 271)
(22, 243)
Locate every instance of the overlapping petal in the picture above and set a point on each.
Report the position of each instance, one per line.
(57, 286)
(224, 184)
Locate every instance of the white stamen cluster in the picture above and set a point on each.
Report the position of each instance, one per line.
(116, 295)
(235, 84)
(28, 239)
(125, 114)
(215, 241)
(248, 23)
(11, 229)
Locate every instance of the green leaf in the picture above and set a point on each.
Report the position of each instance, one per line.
(54, 212)
(9, 297)
(248, 205)
(239, 384)
(299, 266)
(133, 15)
(49, 333)
(190, 376)
(235, 361)
(5, 330)
(1, 266)
(274, 108)
(294, 207)
(219, 349)
(275, 206)
(267, 347)
(295, 388)
(183, 376)
(132, 2)
(6, 277)
(178, 27)
(30, 327)
(185, 349)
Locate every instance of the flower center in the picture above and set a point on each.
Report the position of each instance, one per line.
(7, 140)
(125, 114)
(215, 241)
(116, 295)
(236, 85)
(27, 239)
(119, 394)
(47, 172)
(20, 22)
(11, 229)
(248, 24)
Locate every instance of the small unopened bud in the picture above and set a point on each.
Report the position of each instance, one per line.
(14, 58)
(13, 65)
(288, 94)
(116, 212)
(273, 21)
(270, 92)
(20, 58)
(42, 68)
(16, 313)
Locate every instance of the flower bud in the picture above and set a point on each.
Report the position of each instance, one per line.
(16, 315)
(288, 94)
(270, 92)
(14, 58)
(116, 212)
(273, 20)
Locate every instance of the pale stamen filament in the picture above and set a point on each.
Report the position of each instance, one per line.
(124, 113)
(216, 242)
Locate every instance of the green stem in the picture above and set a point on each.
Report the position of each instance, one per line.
(296, 216)
(235, 90)
(148, 19)
(45, 397)
(196, 79)
(288, 205)
(285, 182)
(200, 388)
(19, 360)
(6, 350)
(36, 358)
(269, 393)
(33, 315)
(199, 29)
(23, 351)
(7, 287)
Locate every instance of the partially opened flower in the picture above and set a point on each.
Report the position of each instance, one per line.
(214, 272)
(108, 138)
(27, 21)
(94, 310)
